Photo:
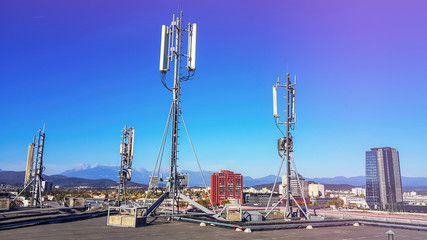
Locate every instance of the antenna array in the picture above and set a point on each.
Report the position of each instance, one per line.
(285, 147)
(126, 151)
(34, 172)
(171, 53)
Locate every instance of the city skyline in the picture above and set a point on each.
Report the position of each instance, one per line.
(88, 69)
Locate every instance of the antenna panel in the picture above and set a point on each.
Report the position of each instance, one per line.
(154, 182)
(275, 101)
(164, 49)
(131, 140)
(29, 162)
(192, 44)
(129, 174)
(293, 103)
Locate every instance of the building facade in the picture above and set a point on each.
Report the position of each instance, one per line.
(316, 190)
(359, 202)
(260, 199)
(383, 179)
(226, 185)
(359, 191)
(295, 186)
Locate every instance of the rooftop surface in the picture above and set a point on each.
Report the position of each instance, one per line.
(96, 228)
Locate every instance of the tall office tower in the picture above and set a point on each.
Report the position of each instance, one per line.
(226, 185)
(383, 180)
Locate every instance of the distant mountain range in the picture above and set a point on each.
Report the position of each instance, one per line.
(142, 176)
(17, 179)
(360, 181)
(327, 186)
(84, 174)
(354, 181)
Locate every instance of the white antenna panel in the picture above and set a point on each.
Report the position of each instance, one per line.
(275, 101)
(121, 148)
(192, 43)
(132, 139)
(164, 49)
(293, 103)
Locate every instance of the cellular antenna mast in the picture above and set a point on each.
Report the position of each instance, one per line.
(171, 53)
(285, 149)
(34, 171)
(126, 152)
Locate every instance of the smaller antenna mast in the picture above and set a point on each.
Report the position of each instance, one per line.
(126, 152)
(34, 171)
(285, 148)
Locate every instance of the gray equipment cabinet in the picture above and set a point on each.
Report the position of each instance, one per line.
(126, 216)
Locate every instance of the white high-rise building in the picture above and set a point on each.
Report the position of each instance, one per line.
(359, 191)
(316, 190)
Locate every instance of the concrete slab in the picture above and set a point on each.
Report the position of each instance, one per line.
(96, 228)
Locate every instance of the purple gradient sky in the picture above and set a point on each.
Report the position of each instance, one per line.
(87, 68)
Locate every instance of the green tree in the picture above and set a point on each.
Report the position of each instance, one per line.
(203, 202)
(337, 202)
(182, 204)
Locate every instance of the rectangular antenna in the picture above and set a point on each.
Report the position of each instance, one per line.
(129, 174)
(293, 104)
(164, 49)
(30, 159)
(275, 101)
(192, 43)
(131, 140)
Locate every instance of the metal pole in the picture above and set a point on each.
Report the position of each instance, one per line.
(288, 210)
(34, 188)
(124, 160)
(37, 198)
(177, 28)
(121, 183)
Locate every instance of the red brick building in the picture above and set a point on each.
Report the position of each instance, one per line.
(226, 185)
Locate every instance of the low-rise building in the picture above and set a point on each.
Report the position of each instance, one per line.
(359, 202)
(359, 191)
(412, 198)
(260, 198)
(316, 190)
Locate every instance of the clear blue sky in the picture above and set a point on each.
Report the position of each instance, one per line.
(87, 68)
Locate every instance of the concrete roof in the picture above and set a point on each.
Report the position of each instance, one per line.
(96, 228)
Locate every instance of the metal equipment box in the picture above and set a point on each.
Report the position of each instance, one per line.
(4, 203)
(126, 216)
(252, 216)
(74, 202)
